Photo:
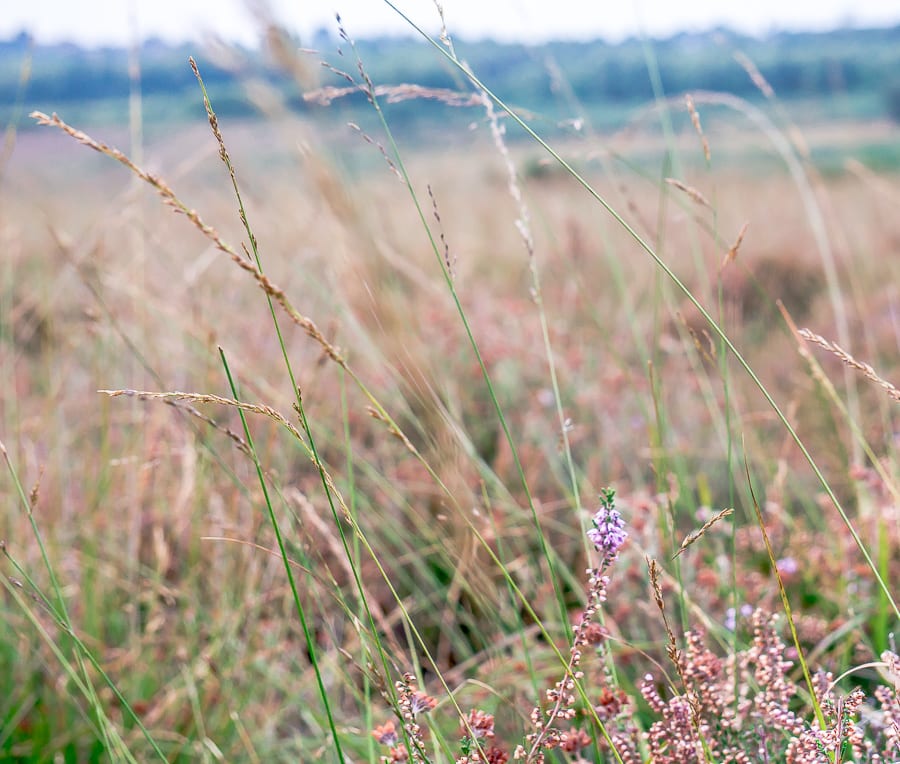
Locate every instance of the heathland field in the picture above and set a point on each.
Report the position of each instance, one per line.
(315, 472)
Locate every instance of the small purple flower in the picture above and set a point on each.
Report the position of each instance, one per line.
(608, 533)
(731, 619)
(787, 566)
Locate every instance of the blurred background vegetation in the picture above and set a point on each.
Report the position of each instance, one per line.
(837, 75)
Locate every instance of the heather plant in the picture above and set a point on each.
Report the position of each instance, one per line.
(391, 498)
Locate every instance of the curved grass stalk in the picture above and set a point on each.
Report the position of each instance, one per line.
(547, 552)
(673, 277)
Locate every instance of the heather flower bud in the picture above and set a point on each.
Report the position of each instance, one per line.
(608, 533)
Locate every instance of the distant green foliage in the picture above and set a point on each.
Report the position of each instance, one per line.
(796, 65)
(602, 76)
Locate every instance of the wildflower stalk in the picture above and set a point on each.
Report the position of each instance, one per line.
(607, 535)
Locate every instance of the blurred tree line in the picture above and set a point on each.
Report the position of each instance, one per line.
(852, 73)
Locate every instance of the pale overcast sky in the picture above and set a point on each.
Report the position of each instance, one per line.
(98, 22)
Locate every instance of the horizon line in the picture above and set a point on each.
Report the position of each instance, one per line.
(774, 31)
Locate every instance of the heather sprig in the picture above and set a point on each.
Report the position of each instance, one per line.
(608, 534)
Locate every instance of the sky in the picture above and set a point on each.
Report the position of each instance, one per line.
(105, 22)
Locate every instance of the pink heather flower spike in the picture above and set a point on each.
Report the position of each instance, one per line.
(608, 533)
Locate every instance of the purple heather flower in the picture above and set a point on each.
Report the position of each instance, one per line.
(608, 533)
(731, 619)
(787, 566)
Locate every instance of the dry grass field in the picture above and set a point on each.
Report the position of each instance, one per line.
(478, 356)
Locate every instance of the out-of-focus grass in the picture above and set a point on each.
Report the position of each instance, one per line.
(153, 516)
